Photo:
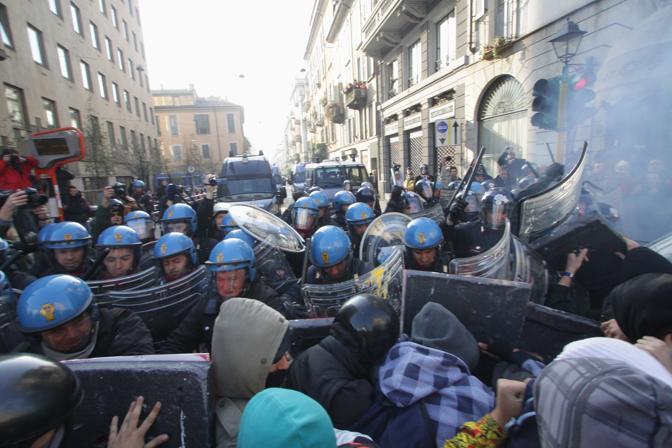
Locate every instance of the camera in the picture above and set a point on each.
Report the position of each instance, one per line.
(35, 199)
(119, 190)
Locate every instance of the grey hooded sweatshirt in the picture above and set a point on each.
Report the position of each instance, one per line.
(245, 339)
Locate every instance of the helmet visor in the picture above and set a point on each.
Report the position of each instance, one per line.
(144, 228)
(412, 205)
(496, 213)
(304, 219)
(426, 190)
(175, 226)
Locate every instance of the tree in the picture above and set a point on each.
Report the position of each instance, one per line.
(98, 154)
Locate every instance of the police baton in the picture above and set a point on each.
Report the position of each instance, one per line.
(304, 269)
(96, 264)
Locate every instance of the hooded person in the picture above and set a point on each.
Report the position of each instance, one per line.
(250, 342)
(601, 392)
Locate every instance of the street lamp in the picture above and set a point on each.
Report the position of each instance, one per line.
(566, 43)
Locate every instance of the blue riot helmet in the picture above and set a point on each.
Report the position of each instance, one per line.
(359, 214)
(423, 187)
(304, 216)
(496, 205)
(63, 236)
(330, 246)
(411, 203)
(138, 184)
(179, 218)
(142, 223)
(52, 301)
(230, 255)
(423, 233)
(313, 189)
(228, 224)
(477, 189)
(175, 243)
(120, 237)
(366, 195)
(347, 185)
(321, 200)
(241, 235)
(367, 184)
(342, 200)
(42, 235)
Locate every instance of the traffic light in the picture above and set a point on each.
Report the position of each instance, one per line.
(546, 96)
(580, 95)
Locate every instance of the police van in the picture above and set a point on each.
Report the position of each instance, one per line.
(330, 175)
(248, 179)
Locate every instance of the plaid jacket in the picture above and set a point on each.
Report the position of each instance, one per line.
(450, 394)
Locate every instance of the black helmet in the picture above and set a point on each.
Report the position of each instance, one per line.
(37, 396)
(115, 206)
(411, 202)
(373, 323)
(495, 204)
(423, 187)
(365, 195)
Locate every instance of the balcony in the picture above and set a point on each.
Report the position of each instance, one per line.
(335, 113)
(356, 95)
(389, 21)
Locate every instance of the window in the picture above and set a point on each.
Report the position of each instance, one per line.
(137, 105)
(50, 114)
(75, 118)
(172, 125)
(93, 29)
(233, 149)
(130, 7)
(140, 76)
(231, 123)
(142, 49)
(135, 41)
(5, 31)
(108, 49)
(120, 60)
(37, 45)
(134, 140)
(122, 136)
(127, 101)
(86, 75)
(131, 71)
(102, 85)
(393, 77)
(115, 20)
(76, 19)
(151, 115)
(16, 106)
(414, 64)
(176, 151)
(144, 112)
(64, 62)
(205, 151)
(125, 29)
(202, 123)
(479, 9)
(445, 40)
(101, 7)
(110, 134)
(55, 7)
(142, 142)
(115, 94)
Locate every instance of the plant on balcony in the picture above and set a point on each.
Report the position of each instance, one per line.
(324, 101)
(355, 95)
(501, 45)
(335, 113)
(488, 52)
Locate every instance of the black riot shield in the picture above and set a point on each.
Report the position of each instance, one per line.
(547, 330)
(663, 246)
(493, 310)
(307, 332)
(162, 307)
(540, 213)
(272, 265)
(140, 280)
(383, 281)
(182, 383)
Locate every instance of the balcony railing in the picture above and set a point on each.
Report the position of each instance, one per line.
(356, 98)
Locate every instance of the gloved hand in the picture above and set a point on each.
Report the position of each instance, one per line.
(293, 310)
(457, 209)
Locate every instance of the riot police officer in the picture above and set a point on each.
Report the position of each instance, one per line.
(331, 258)
(342, 200)
(241, 235)
(322, 201)
(367, 195)
(142, 223)
(226, 225)
(122, 245)
(358, 217)
(142, 198)
(304, 216)
(18, 278)
(64, 322)
(175, 255)
(423, 239)
(182, 218)
(472, 238)
(424, 189)
(65, 250)
(232, 267)
(464, 210)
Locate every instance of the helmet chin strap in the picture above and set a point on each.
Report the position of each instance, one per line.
(79, 354)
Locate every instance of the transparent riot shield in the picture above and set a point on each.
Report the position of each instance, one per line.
(528, 267)
(267, 228)
(182, 383)
(540, 213)
(162, 307)
(383, 234)
(493, 310)
(493, 263)
(663, 246)
(435, 212)
(383, 281)
(141, 280)
(273, 266)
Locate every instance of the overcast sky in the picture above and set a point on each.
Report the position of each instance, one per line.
(209, 43)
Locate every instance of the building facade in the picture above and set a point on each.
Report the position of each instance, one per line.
(80, 63)
(197, 134)
(469, 65)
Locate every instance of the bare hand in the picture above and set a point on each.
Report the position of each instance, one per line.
(108, 193)
(41, 212)
(14, 201)
(575, 260)
(658, 349)
(130, 435)
(509, 400)
(611, 329)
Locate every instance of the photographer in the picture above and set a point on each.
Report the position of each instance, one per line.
(75, 206)
(27, 210)
(15, 170)
(113, 208)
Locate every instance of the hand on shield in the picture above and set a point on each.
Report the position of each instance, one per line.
(130, 435)
(575, 260)
(509, 400)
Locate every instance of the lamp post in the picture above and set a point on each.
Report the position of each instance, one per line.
(565, 45)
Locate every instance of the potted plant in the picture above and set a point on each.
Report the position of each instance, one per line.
(500, 45)
(355, 95)
(488, 52)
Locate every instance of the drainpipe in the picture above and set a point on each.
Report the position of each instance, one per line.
(471, 27)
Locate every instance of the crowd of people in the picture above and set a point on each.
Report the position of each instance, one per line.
(365, 383)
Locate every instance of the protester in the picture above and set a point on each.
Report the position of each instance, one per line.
(75, 206)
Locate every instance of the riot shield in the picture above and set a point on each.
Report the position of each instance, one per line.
(182, 383)
(307, 332)
(273, 266)
(141, 280)
(493, 310)
(540, 213)
(435, 213)
(383, 234)
(383, 281)
(547, 330)
(162, 307)
(663, 246)
(493, 263)
(528, 267)
(267, 228)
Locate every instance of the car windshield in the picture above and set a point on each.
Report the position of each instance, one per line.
(300, 176)
(259, 185)
(330, 177)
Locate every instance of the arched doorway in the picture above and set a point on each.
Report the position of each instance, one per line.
(502, 120)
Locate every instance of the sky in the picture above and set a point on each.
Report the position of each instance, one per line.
(211, 43)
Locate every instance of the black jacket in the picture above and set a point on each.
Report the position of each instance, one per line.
(196, 328)
(145, 202)
(76, 209)
(333, 374)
